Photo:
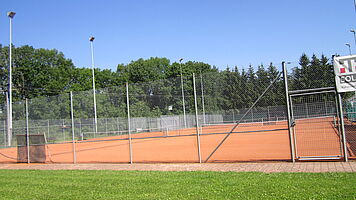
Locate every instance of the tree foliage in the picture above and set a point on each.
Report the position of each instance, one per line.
(46, 77)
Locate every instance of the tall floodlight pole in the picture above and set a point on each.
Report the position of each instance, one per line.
(9, 118)
(91, 39)
(347, 44)
(354, 32)
(181, 83)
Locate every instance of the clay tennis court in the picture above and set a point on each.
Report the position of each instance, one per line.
(249, 142)
(317, 137)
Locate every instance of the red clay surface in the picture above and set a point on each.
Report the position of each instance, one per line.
(317, 137)
(350, 129)
(254, 146)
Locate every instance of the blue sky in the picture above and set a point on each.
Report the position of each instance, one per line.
(220, 32)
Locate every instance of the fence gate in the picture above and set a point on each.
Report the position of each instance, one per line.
(315, 125)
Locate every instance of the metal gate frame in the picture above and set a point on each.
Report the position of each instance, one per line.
(293, 122)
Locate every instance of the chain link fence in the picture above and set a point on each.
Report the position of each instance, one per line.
(215, 117)
(349, 105)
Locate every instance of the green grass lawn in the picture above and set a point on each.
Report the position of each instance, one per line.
(66, 184)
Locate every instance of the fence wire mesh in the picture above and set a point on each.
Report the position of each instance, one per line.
(107, 139)
(161, 115)
(164, 123)
(349, 105)
(316, 129)
(262, 130)
(50, 117)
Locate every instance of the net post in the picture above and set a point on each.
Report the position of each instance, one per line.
(47, 149)
(252, 115)
(106, 125)
(93, 123)
(342, 127)
(196, 118)
(128, 120)
(285, 77)
(80, 129)
(118, 125)
(27, 134)
(47, 128)
(72, 119)
(233, 115)
(64, 136)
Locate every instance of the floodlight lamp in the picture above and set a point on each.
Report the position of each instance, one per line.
(180, 60)
(352, 31)
(347, 44)
(11, 14)
(91, 38)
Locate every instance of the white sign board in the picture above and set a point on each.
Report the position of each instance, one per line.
(345, 73)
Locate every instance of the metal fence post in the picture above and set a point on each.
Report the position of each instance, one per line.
(128, 120)
(285, 77)
(293, 129)
(27, 133)
(4, 133)
(342, 127)
(196, 119)
(72, 117)
(337, 123)
(202, 97)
